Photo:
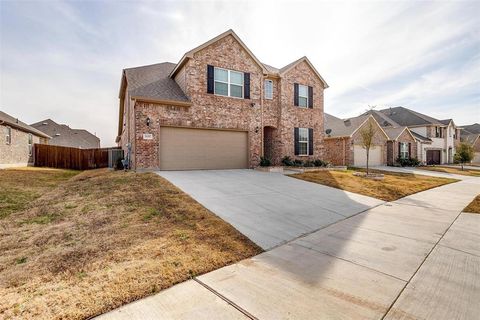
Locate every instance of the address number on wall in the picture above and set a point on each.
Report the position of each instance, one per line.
(147, 136)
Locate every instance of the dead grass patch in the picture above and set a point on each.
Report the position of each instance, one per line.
(464, 172)
(474, 206)
(394, 185)
(103, 239)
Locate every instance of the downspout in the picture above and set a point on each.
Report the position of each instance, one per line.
(344, 151)
(261, 117)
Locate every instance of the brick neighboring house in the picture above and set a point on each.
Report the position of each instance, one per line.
(220, 107)
(435, 139)
(401, 144)
(343, 142)
(471, 135)
(18, 138)
(64, 136)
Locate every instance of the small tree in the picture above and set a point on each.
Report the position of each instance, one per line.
(464, 153)
(367, 135)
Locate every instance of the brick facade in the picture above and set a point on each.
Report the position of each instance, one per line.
(17, 152)
(256, 115)
(393, 148)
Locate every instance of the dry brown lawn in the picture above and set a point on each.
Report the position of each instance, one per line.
(465, 172)
(101, 239)
(393, 187)
(474, 206)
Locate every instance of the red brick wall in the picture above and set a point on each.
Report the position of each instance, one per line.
(337, 151)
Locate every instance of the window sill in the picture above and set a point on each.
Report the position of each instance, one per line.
(222, 96)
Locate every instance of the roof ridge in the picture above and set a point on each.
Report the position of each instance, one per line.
(150, 65)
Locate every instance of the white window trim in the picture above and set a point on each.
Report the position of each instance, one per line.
(228, 83)
(301, 85)
(304, 141)
(265, 84)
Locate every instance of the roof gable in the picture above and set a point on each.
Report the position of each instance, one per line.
(8, 120)
(347, 127)
(290, 66)
(230, 32)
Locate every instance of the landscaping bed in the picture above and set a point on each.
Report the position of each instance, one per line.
(465, 172)
(393, 186)
(100, 239)
(474, 206)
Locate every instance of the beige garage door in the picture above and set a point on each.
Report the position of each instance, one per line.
(360, 156)
(188, 149)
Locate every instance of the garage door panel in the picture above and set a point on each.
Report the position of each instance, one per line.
(360, 156)
(187, 149)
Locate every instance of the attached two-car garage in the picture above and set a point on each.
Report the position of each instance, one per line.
(360, 156)
(191, 148)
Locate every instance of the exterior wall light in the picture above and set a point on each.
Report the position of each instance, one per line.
(148, 122)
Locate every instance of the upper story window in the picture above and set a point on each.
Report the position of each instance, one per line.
(268, 89)
(8, 136)
(438, 132)
(302, 96)
(228, 83)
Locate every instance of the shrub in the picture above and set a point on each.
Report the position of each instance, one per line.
(410, 162)
(309, 163)
(265, 162)
(287, 161)
(320, 163)
(298, 163)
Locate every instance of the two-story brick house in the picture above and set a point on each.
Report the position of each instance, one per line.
(219, 107)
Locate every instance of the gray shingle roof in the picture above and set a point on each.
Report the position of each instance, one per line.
(469, 138)
(382, 119)
(153, 81)
(271, 69)
(472, 128)
(406, 117)
(393, 133)
(63, 135)
(14, 122)
(420, 137)
(342, 128)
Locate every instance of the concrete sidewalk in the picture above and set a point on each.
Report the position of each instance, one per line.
(414, 170)
(414, 258)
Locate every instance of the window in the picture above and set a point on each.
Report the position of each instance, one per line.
(438, 132)
(404, 150)
(30, 144)
(228, 83)
(268, 89)
(303, 141)
(8, 137)
(303, 96)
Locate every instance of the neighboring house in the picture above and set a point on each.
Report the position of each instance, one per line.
(343, 141)
(16, 144)
(219, 107)
(471, 135)
(436, 139)
(62, 135)
(401, 144)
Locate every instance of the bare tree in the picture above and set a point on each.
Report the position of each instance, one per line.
(367, 135)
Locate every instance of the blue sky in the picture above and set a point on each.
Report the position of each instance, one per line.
(63, 60)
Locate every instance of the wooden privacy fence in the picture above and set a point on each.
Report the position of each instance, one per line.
(71, 158)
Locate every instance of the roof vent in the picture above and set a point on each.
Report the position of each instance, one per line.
(44, 124)
(347, 122)
(57, 134)
(386, 123)
(328, 131)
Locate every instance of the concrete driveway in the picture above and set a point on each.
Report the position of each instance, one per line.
(269, 208)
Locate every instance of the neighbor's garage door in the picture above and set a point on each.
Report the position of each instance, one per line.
(187, 149)
(476, 157)
(360, 156)
(433, 156)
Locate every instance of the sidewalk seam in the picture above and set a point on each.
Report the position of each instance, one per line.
(230, 302)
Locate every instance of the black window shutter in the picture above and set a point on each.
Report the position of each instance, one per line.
(246, 85)
(310, 97)
(310, 141)
(295, 94)
(399, 149)
(210, 78)
(409, 150)
(297, 145)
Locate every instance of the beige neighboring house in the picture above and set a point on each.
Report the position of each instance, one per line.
(220, 107)
(17, 140)
(435, 139)
(64, 136)
(471, 135)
